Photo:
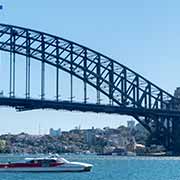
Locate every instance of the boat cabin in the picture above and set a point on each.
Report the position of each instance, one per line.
(45, 161)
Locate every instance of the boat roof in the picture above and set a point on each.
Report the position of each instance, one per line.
(41, 158)
(46, 158)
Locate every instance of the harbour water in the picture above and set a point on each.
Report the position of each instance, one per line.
(108, 168)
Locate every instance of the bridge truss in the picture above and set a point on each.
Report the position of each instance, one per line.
(127, 92)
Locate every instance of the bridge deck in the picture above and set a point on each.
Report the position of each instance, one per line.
(30, 104)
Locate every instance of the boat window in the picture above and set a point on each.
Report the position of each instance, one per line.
(31, 161)
(52, 161)
(41, 161)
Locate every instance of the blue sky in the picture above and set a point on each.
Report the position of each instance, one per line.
(143, 35)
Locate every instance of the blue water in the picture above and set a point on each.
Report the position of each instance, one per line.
(108, 168)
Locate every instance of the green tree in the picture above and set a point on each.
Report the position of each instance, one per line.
(2, 145)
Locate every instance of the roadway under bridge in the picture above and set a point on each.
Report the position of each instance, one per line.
(40, 67)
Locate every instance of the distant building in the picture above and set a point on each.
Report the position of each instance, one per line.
(1, 93)
(90, 136)
(131, 124)
(117, 140)
(177, 92)
(55, 133)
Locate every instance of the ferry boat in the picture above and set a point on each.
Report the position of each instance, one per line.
(47, 164)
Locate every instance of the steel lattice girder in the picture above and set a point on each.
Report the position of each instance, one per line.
(122, 85)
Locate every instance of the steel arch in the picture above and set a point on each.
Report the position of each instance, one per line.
(124, 88)
(122, 85)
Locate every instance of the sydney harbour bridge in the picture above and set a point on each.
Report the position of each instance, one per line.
(36, 66)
